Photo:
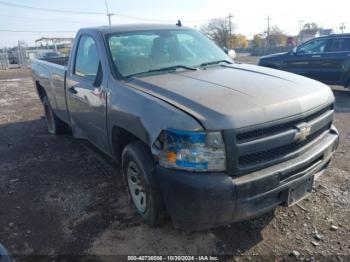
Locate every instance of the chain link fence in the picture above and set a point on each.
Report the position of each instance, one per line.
(15, 57)
(22, 55)
(4, 60)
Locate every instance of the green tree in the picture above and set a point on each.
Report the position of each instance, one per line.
(239, 41)
(258, 40)
(276, 37)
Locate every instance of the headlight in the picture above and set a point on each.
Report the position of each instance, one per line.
(193, 151)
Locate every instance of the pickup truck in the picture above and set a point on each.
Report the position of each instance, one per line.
(200, 138)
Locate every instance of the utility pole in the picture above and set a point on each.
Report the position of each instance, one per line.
(230, 28)
(268, 29)
(109, 15)
(300, 25)
(109, 19)
(268, 25)
(342, 27)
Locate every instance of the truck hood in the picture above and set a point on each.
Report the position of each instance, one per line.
(237, 96)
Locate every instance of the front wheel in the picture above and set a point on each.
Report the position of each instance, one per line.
(139, 174)
(55, 125)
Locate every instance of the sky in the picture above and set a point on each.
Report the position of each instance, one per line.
(249, 17)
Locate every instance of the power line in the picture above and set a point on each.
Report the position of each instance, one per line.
(51, 10)
(46, 19)
(36, 31)
(95, 13)
(158, 20)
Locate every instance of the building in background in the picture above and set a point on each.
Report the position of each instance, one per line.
(308, 34)
(53, 45)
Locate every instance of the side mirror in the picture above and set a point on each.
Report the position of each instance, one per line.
(225, 49)
(98, 78)
(295, 50)
(232, 53)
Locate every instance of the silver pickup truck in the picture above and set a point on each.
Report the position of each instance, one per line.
(200, 138)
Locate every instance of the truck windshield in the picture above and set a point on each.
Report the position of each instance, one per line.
(152, 51)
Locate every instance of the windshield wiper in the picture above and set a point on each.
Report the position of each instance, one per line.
(169, 68)
(215, 62)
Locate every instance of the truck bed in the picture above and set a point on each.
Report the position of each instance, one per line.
(57, 60)
(50, 73)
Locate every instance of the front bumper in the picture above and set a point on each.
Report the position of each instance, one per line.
(197, 201)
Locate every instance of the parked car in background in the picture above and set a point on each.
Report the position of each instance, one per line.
(207, 141)
(326, 59)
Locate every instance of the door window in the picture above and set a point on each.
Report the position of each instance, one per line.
(87, 61)
(314, 46)
(340, 45)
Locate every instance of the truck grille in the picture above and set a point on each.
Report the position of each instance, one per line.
(263, 132)
(262, 147)
(268, 155)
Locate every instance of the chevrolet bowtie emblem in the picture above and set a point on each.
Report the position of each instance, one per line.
(303, 131)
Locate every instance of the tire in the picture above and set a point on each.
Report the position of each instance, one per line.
(139, 173)
(55, 126)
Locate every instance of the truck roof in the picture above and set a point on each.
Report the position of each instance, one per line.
(134, 27)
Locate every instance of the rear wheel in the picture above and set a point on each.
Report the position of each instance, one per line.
(55, 125)
(139, 173)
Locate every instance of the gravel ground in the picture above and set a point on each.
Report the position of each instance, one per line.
(60, 196)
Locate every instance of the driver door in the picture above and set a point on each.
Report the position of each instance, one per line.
(309, 59)
(86, 94)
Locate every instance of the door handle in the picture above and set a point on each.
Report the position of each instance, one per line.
(72, 90)
(316, 56)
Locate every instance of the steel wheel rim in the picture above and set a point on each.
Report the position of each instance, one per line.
(49, 117)
(136, 187)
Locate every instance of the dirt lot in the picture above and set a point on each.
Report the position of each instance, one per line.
(59, 196)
